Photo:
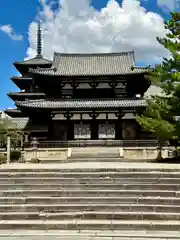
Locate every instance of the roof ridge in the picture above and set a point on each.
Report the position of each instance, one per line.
(94, 54)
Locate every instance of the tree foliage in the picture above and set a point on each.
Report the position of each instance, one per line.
(157, 120)
(159, 115)
(9, 128)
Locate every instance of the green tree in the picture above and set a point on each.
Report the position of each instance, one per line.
(9, 128)
(158, 118)
(167, 74)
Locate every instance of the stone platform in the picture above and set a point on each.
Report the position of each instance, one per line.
(95, 154)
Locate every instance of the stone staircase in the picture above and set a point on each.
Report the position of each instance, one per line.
(95, 152)
(117, 201)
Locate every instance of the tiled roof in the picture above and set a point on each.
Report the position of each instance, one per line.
(70, 104)
(24, 124)
(153, 91)
(92, 65)
(20, 123)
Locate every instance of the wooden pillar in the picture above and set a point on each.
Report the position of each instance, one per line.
(26, 137)
(94, 125)
(50, 126)
(119, 115)
(70, 125)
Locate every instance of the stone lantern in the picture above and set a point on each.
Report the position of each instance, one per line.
(34, 147)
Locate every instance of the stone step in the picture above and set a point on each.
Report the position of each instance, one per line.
(93, 167)
(82, 160)
(91, 151)
(89, 235)
(78, 175)
(89, 207)
(96, 159)
(102, 180)
(90, 225)
(89, 193)
(77, 237)
(90, 200)
(85, 186)
(95, 155)
(98, 215)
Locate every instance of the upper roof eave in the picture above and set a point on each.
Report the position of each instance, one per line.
(34, 61)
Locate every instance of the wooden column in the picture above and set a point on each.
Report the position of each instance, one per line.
(119, 115)
(50, 126)
(70, 125)
(94, 125)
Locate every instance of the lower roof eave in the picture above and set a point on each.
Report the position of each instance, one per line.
(14, 113)
(80, 104)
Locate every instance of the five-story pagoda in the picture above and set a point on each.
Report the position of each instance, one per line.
(80, 96)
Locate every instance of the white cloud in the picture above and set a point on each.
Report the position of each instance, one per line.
(76, 27)
(10, 32)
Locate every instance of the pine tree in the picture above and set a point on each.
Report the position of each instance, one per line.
(161, 110)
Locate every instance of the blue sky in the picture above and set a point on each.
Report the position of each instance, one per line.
(18, 31)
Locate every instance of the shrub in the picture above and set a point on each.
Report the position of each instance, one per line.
(35, 160)
(3, 158)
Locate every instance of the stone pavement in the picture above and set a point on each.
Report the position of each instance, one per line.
(92, 165)
(87, 235)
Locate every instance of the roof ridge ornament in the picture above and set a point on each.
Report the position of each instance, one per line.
(39, 40)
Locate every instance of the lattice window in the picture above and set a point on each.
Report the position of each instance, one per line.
(82, 131)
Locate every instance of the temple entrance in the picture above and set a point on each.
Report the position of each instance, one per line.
(92, 130)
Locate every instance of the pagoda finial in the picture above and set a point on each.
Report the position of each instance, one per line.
(39, 41)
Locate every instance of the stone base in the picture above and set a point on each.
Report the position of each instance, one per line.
(143, 152)
(130, 153)
(60, 153)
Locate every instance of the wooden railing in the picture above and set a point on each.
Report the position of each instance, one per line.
(88, 143)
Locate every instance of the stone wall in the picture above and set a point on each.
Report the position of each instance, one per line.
(126, 153)
(60, 153)
(142, 153)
